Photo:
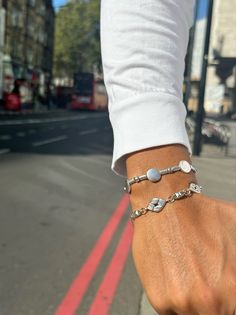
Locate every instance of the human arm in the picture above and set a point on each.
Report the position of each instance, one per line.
(184, 256)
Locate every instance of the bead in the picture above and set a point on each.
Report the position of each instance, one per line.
(153, 175)
(185, 166)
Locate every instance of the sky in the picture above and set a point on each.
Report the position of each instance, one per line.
(201, 13)
(58, 3)
(202, 9)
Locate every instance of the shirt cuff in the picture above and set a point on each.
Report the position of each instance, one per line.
(146, 120)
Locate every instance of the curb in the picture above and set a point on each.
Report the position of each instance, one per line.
(34, 120)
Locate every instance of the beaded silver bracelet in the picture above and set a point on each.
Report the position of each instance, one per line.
(157, 204)
(154, 175)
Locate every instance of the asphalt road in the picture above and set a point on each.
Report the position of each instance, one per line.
(64, 236)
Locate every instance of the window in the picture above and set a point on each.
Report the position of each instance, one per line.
(16, 48)
(30, 26)
(41, 36)
(30, 56)
(32, 3)
(41, 9)
(17, 17)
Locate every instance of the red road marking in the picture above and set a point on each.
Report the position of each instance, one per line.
(76, 292)
(107, 289)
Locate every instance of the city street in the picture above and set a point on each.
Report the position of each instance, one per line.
(64, 228)
(64, 238)
(66, 67)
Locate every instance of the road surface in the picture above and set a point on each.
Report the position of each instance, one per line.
(64, 227)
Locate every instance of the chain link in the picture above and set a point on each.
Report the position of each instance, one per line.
(179, 195)
(159, 204)
(144, 211)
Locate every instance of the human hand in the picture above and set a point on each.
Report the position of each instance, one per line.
(186, 257)
(186, 254)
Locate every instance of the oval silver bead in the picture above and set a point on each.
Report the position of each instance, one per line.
(185, 166)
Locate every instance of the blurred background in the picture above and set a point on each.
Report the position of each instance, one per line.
(64, 229)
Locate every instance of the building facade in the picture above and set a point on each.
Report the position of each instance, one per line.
(29, 33)
(221, 74)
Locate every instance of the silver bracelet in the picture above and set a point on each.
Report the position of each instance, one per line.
(157, 204)
(154, 175)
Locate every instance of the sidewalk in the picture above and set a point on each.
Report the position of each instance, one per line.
(218, 178)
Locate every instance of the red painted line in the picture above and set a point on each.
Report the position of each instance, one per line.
(107, 289)
(78, 288)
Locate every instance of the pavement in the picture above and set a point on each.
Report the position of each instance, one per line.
(63, 220)
(64, 236)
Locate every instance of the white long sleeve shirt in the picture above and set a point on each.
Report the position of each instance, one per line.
(144, 44)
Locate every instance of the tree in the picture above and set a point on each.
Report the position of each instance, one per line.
(77, 38)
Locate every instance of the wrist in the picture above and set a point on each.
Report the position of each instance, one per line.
(159, 157)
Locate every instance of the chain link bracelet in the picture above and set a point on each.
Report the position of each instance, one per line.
(157, 204)
(154, 175)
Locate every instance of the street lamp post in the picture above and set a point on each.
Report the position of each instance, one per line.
(190, 58)
(2, 36)
(202, 85)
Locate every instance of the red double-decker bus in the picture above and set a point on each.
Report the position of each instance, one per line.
(83, 94)
(88, 93)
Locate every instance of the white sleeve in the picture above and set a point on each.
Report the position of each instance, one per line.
(144, 44)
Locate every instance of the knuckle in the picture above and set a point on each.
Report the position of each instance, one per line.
(157, 298)
(161, 308)
(208, 298)
(181, 302)
(160, 305)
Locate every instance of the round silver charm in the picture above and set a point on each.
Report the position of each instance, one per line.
(185, 166)
(153, 175)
